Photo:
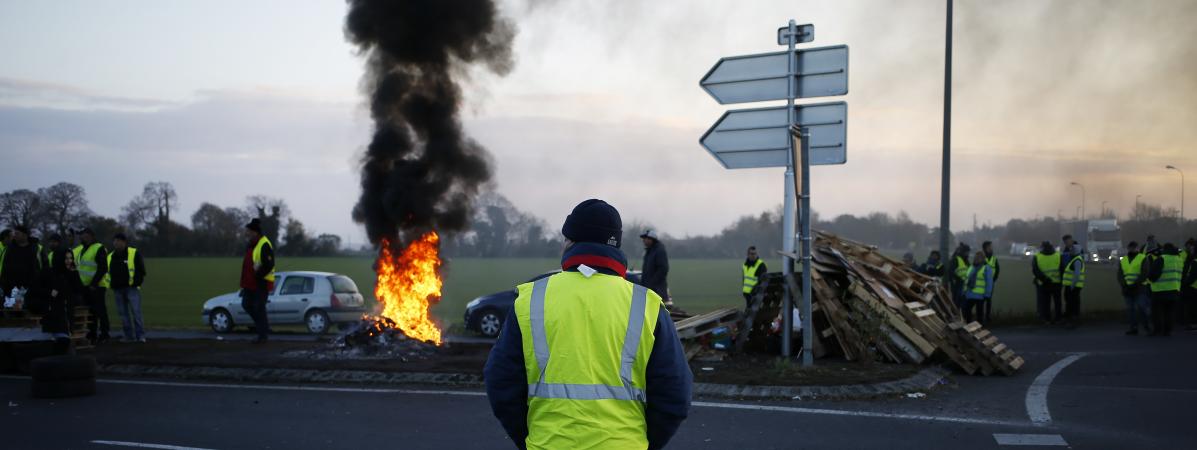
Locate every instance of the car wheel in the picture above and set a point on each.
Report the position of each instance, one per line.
(317, 321)
(490, 323)
(220, 320)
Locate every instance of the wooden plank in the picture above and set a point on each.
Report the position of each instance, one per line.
(972, 326)
(990, 341)
(998, 348)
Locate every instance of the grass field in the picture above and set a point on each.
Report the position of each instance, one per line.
(177, 287)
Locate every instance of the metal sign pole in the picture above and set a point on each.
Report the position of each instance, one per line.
(787, 307)
(808, 338)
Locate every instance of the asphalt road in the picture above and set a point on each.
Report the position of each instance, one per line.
(1109, 391)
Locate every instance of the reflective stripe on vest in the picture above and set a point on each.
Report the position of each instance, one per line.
(631, 343)
(1049, 265)
(129, 260)
(1131, 268)
(992, 262)
(962, 269)
(257, 256)
(750, 280)
(1170, 275)
(86, 261)
(1069, 276)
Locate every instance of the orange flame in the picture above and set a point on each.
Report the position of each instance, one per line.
(409, 284)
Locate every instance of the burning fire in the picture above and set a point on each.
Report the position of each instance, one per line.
(408, 284)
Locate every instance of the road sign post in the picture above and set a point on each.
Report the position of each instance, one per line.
(793, 136)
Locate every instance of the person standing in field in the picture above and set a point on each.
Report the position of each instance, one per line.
(257, 278)
(933, 266)
(588, 359)
(991, 261)
(21, 262)
(753, 269)
(656, 266)
(126, 272)
(1165, 288)
(1073, 277)
(978, 287)
(1132, 278)
(960, 268)
(53, 245)
(1046, 269)
(1188, 288)
(92, 259)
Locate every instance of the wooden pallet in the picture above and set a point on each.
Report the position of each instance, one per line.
(701, 324)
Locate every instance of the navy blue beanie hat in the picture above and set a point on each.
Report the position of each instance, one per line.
(594, 221)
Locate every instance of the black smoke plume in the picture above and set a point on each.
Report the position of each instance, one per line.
(421, 171)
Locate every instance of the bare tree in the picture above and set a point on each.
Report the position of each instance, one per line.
(137, 214)
(160, 194)
(270, 210)
(20, 207)
(63, 205)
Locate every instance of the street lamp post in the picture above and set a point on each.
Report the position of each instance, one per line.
(1103, 209)
(1182, 192)
(1135, 211)
(1082, 198)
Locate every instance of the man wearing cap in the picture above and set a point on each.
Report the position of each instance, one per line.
(257, 277)
(125, 275)
(588, 359)
(754, 268)
(53, 245)
(92, 260)
(655, 271)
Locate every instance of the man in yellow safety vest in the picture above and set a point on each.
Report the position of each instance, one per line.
(1046, 269)
(753, 269)
(991, 261)
(587, 359)
(1132, 279)
(1165, 288)
(1073, 276)
(257, 278)
(125, 278)
(92, 260)
(1188, 288)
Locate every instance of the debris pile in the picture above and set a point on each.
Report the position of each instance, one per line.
(373, 337)
(867, 306)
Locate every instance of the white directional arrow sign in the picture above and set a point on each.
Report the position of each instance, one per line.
(821, 72)
(749, 138)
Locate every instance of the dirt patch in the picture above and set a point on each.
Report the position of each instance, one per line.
(455, 358)
(771, 371)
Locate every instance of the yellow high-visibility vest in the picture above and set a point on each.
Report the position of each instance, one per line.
(85, 259)
(1169, 280)
(1071, 279)
(257, 256)
(750, 280)
(961, 269)
(1131, 268)
(586, 343)
(1049, 265)
(128, 260)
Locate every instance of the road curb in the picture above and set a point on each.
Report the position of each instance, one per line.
(924, 380)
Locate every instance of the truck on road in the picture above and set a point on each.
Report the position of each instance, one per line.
(1101, 238)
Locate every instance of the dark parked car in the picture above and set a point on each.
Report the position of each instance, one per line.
(487, 313)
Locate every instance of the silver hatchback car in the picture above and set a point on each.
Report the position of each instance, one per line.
(314, 299)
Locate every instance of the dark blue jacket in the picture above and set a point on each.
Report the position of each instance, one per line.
(667, 379)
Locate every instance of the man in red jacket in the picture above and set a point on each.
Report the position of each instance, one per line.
(257, 277)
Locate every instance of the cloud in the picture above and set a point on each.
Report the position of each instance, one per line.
(32, 93)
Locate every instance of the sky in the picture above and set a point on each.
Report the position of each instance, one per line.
(226, 99)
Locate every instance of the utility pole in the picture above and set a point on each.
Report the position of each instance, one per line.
(945, 180)
(1182, 192)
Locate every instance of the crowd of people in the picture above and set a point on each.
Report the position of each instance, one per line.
(1158, 282)
(53, 277)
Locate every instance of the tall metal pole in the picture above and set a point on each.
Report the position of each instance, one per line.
(1182, 193)
(1082, 215)
(808, 337)
(945, 195)
(787, 307)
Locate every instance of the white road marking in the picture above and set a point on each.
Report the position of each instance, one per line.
(1037, 393)
(840, 412)
(787, 409)
(145, 445)
(1029, 439)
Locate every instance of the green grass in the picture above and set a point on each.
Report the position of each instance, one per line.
(177, 287)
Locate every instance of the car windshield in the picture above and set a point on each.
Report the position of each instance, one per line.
(343, 285)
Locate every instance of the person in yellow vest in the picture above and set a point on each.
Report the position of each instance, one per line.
(1165, 288)
(978, 286)
(1188, 288)
(126, 272)
(1132, 279)
(5, 240)
(753, 269)
(960, 267)
(1073, 276)
(92, 260)
(991, 261)
(257, 278)
(588, 359)
(1046, 269)
(53, 246)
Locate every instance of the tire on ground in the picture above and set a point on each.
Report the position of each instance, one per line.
(64, 389)
(63, 368)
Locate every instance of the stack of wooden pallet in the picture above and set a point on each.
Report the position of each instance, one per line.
(869, 306)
